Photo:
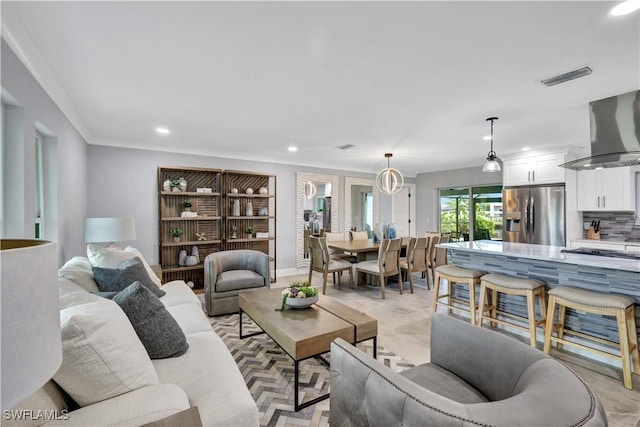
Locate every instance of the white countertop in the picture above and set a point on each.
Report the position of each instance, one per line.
(544, 253)
(607, 242)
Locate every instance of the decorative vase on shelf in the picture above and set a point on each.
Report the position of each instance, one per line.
(176, 238)
(183, 184)
(236, 208)
(249, 209)
(182, 258)
(249, 190)
(196, 253)
(191, 260)
(263, 190)
(234, 191)
(166, 185)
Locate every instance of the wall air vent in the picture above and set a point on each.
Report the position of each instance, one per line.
(346, 147)
(565, 77)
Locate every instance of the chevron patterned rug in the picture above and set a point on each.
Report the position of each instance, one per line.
(268, 372)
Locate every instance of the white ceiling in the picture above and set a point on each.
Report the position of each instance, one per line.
(248, 79)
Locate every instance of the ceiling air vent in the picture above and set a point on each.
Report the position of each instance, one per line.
(346, 147)
(565, 77)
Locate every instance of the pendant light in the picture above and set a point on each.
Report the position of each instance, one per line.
(492, 164)
(309, 189)
(389, 180)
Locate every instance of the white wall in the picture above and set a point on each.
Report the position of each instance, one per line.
(122, 182)
(19, 185)
(427, 185)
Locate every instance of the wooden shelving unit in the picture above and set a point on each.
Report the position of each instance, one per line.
(241, 181)
(208, 221)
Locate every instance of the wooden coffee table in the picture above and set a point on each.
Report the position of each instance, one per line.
(306, 333)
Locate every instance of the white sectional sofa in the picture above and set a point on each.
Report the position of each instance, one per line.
(205, 376)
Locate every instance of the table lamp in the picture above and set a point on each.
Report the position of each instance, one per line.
(31, 341)
(109, 230)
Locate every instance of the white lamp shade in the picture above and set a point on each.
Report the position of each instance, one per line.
(31, 341)
(101, 230)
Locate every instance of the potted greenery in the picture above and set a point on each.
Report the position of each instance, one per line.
(186, 205)
(249, 231)
(176, 233)
(175, 184)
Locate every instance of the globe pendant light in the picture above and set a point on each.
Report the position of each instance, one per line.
(492, 164)
(389, 180)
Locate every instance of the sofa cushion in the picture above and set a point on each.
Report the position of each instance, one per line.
(112, 258)
(79, 271)
(71, 294)
(102, 356)
(212, 381)
(141, 406)
(157, 329)
(443, 382)
(238, 279)
(116, 279)
(177, 292)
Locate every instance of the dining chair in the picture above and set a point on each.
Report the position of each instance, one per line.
(440, 256)
(416, 260)
(358, 235)
(321, 262)
(433, 238)
(387, 264)
(337, 236)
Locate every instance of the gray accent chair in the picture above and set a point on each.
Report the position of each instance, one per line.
(228, 273)
(476, 377)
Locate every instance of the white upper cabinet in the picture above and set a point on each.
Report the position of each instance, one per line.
(542, 169)
(607, 190)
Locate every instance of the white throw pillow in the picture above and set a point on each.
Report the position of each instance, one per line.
(79, 271)
(106, 257)
(102, 356)
(112, 258)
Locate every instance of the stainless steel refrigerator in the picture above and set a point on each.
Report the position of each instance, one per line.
(534, 215)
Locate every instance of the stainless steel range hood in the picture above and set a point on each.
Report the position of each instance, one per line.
(615, 133)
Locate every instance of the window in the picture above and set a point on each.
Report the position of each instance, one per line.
(461, 207)
(39, 218)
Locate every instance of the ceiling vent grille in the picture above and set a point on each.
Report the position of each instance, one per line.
(346, 147)
(565, 77)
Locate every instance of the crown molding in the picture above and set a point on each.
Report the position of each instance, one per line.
(20, 42)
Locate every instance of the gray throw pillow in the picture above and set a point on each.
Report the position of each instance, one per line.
(158, 331)
(116, 279)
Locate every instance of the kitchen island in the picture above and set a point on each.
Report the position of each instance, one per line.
(549, 264)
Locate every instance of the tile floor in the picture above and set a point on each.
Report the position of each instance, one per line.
(404, 323)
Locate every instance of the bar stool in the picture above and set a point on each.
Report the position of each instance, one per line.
(620, 306)
(509, 285)
(453, 274)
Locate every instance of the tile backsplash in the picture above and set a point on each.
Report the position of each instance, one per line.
(614, 225)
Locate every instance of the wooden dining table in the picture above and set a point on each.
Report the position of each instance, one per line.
(358, 247)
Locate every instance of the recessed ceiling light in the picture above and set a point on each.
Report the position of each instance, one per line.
(599, 168)
(162, 131)
(625, 7)
(486, 138)
(588, 165)
(526, 148)
(292, 148)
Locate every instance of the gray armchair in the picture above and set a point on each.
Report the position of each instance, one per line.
(228, 273)
(476, 377)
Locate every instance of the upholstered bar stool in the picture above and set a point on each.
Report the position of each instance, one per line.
(619, 306)
(509, 285)
(453, 274)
